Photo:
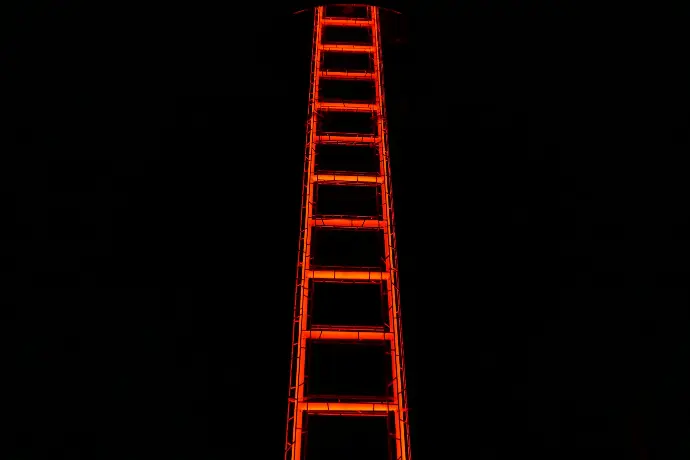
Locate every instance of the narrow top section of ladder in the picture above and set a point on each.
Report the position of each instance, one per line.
(347, 22)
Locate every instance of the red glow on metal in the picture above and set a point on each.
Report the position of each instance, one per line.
(299, 402)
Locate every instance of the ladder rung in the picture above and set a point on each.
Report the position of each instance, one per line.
(374, 275)
(350, 223)
(347, 106)
(347, 22)
(345, 139)
(347, 335)
(352, 408)
(345, 48)
(347, 75)
(358, 178)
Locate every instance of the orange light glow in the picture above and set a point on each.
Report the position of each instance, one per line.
(299, 403)
(347, 75)
(349, 22)
(349, 223)
(352, 178)
(347, 107)
(346, 335)
(346, 275)
(347, 139)
(347, 48)
(347, 407)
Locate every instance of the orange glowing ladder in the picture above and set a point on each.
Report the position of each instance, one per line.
(299, 402)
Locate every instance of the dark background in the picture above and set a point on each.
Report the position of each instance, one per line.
(154, 158)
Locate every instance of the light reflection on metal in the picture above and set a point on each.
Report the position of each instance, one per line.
(299, 402)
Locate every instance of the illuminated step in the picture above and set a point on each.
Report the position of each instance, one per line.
(347, 139)
(349, 178)
(347, 106)
(346, 48)
(347, 22)
(347, 335)
(342, 407)
(374, 275)
(348, 223)
(347, 75)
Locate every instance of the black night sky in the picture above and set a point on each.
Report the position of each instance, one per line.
(153, 170)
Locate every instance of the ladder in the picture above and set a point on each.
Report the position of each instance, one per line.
(302, 404)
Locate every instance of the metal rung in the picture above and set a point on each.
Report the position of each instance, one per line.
(345, 48)
(345, 408)
(349, 223)
(345, 139)
(357, 178)
(347, 22)
(346, 335)
(347, 107)
(347, 75)
(347, 274)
